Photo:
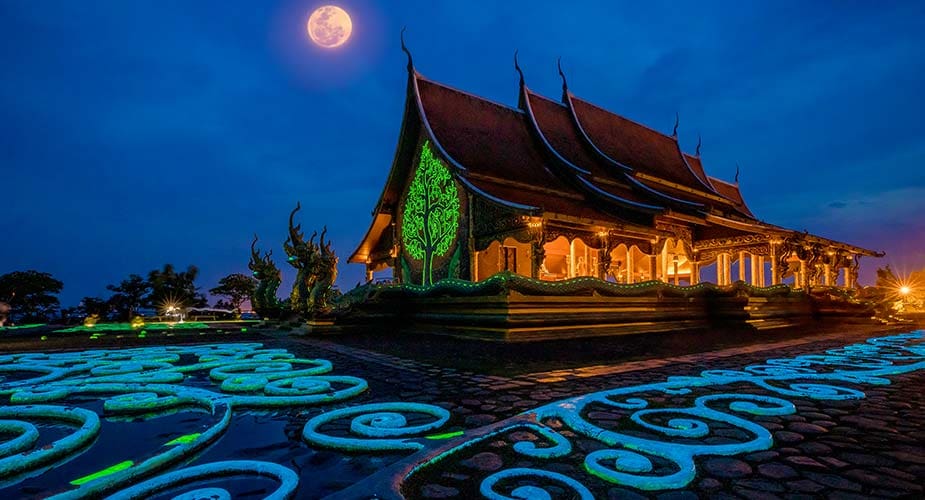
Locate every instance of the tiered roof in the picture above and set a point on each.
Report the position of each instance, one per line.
(565, 158)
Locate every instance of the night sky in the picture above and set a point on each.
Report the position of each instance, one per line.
(136, 133)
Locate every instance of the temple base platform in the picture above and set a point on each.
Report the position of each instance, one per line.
(510, 308)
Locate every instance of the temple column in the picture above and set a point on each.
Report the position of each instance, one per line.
(695, 272)
(827, 275)
(603, 262)
(719, 269)
(753, 261)
(727, 269)
(775, 272)
(761, 277)
(846, 280)
(369, 275)
(742, 266)
(571, 259)
(653, 267)
(677, 278)
(630, 265)
(802, 273)
(537, 256)
(664, 266)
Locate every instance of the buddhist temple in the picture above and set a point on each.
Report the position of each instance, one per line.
(560, 188)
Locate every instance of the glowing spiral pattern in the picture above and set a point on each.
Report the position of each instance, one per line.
(677, 436)
(152, 381)
(379, 426)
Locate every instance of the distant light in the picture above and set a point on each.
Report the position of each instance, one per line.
(905, 290)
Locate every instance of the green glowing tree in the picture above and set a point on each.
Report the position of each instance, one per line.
(431, 213)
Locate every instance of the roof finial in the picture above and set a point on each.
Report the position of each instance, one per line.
(517, 67)
(699, 142)
(404, 48)
(564, 82)
(677, 121)
(737, 173)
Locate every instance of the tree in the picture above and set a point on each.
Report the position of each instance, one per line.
(171, 287)
(237, 288)
(127, 297)
(96, 305)
(31, 294)
(430, 217)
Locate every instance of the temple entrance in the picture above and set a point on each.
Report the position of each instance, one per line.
(568, 259)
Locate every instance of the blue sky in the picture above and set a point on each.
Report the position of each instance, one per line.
(144, 132)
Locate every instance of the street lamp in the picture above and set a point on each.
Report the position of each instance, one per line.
(904, 290)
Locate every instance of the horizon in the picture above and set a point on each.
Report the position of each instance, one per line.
(150, 143)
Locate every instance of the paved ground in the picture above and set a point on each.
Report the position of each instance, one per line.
(873, 447)
(861, 448)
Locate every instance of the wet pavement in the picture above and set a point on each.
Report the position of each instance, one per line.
(873, 446)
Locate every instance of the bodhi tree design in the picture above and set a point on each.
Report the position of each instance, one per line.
(431, 213)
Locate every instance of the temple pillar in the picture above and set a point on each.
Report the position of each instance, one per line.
(753, 263)
(664, 267)
(369, 275)
(761, 277)
(695, 272)
(827, 275)
(719, 269)
(537, 256)
(727, 269)
(677, 278)
(653, 267)
(775, 272)
(571, 259)
(630, 265)
(847, 278)
(603, 262)
(802, 273)
(742, 266)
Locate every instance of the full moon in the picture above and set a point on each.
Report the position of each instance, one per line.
(329, 26)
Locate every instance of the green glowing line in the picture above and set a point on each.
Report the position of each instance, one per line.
(189, 438)
(446, 435)
(430, 218)
(103, 473)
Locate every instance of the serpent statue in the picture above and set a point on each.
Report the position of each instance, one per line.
(303, 256)
(268, 276)
(322, 291)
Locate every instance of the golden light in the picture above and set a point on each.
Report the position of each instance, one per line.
(329, 26)
(905, 290)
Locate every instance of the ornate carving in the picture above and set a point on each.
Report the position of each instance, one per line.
(268, 279)
(732, 241)
(317, 270)
(680, 233)
(493, 222)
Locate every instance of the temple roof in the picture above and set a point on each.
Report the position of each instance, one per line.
(569, 158)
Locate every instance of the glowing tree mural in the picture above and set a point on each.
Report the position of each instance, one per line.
(431, 213)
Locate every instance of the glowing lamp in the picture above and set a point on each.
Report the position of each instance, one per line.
(905, 290)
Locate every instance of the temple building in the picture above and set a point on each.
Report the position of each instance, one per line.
(558, 189)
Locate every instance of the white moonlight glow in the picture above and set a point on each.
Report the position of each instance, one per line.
(329, 26)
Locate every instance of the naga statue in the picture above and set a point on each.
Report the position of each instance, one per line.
(303, 256)
(326, 273)
(316, 266)
(268, 276)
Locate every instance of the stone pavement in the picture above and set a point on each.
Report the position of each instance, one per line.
(872, 447)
